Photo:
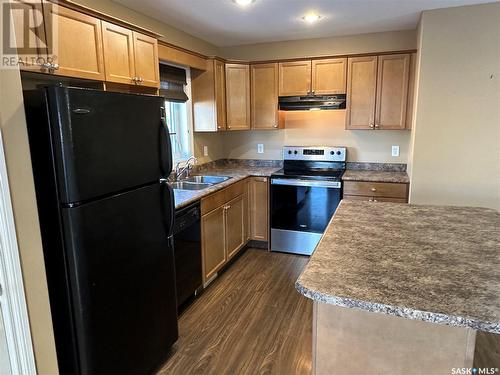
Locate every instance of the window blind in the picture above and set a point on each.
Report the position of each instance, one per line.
(172, 82)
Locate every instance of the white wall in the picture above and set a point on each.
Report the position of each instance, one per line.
(22, 189)
(308, 128)
(456, 143)
(340, 45)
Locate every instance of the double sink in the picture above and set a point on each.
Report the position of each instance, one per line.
(198, 182)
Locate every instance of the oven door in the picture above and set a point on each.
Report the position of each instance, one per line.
(300, 212)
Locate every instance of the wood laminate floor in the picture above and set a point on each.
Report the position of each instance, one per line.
(251, 320)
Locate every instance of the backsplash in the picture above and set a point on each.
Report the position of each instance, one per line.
(383, 167)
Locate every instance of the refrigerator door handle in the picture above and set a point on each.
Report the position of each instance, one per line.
(165, 145)
(167, 200)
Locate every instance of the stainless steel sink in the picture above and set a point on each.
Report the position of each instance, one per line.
(183, 185)
(213, 180)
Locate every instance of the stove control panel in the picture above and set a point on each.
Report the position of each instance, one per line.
(313, 153)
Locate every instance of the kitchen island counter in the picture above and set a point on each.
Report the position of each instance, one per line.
(403, 289)
(431, 263)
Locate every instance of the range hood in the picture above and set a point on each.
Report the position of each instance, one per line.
(311, 102)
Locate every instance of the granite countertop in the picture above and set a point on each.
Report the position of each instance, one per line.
(236, 172)
(431, 263)
(376, 176)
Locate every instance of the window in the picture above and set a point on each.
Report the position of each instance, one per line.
(175, 87)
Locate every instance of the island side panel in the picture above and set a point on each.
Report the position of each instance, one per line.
(353, 341)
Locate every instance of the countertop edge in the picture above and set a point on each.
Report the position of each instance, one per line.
(402, 312)
(217, 187)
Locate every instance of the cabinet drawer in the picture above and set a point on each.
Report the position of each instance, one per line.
(373, 199)
(221, 197)
(375, 189)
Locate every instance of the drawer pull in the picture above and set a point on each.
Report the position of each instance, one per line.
(373, 189)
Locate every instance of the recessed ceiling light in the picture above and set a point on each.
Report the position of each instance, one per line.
(311, 17)
(243, 3)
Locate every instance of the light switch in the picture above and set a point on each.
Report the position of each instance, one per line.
(260, 148)
(395, 150)
(205, 150)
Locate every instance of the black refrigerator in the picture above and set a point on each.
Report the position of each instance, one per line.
(106, 217)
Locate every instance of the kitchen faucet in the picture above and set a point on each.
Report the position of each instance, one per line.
(187, 167)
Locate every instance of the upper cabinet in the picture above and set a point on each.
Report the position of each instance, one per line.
(147, 67)
(119, 53)
(329, 76)
(208, 95)
(361, 92)
(237, 96)
(264, 96)
(33, 10)
(377, 92)
(392, 91)
(319, 77)
(76, 29)
(294, 78)
(130, 57)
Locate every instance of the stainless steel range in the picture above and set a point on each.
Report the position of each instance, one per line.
(304, 196)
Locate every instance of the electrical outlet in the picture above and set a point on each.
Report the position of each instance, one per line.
(395, 150)
(260, 148)
(205, 150)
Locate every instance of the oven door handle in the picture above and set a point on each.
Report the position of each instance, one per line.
(307, 183)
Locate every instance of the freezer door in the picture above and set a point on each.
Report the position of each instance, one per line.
(121, 268)
(105, 143)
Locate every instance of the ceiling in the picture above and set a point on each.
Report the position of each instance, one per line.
(223, 23)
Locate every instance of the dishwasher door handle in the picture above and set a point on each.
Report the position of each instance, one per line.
(306, 183)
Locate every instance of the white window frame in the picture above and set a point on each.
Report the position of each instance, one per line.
(189, 110)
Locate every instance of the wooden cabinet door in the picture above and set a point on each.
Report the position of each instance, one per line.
(119, 59)
(329, 76)
(264, 96)
(235, 226)
(38, 40)
(259, 208)
(361, 92)
(213, 242)
(79, 43)
(294, 78)
(392, 91)
(237, 96)
(220, 94)
(147, 68)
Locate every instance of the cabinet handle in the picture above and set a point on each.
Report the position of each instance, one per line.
(46, 65)
(372, 126)
(54, 66)
(219, 127)
(373, 189)
(141, 79)
(377, 126)
(229, 127)
(275, 126)
(228, 207)
(134, 79)
(375, 200)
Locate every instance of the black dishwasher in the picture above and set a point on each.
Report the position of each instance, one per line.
(187, 251)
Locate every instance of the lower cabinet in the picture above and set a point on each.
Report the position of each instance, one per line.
(213, 242)
(235, 226)
(258, 189)
(376, 191)
(224, 227)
